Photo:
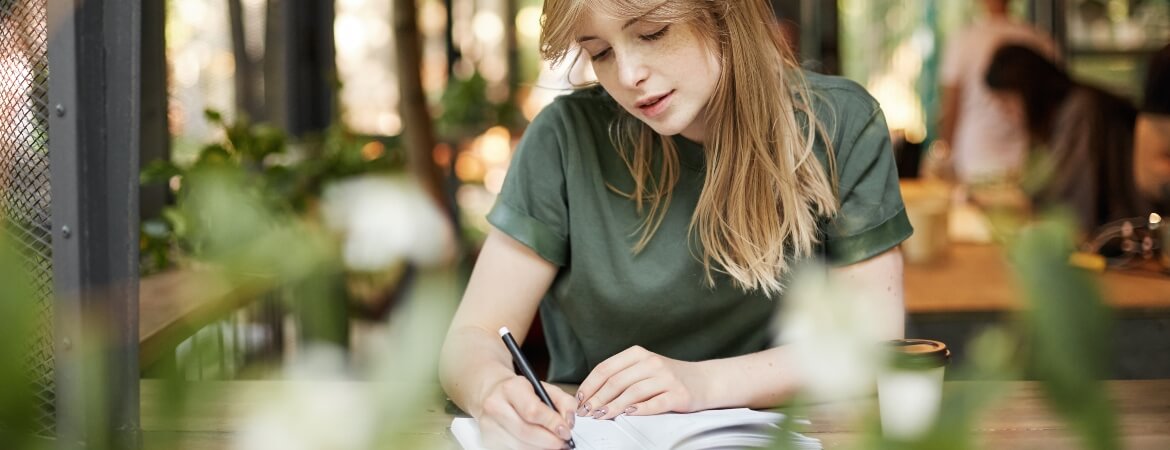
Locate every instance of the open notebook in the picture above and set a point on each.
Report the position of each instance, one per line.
(714, 429)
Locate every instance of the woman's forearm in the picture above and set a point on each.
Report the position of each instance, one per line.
(472, 360)
(757, 380)
(504, 290)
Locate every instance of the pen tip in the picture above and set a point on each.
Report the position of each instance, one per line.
(503, 331)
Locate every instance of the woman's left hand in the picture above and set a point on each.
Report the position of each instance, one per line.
(640, 382)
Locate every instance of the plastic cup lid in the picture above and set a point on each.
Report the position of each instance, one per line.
(918, 353)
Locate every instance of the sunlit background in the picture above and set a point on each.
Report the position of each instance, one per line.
(328, 251)
(891, 47)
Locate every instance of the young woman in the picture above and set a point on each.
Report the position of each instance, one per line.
(653, 220)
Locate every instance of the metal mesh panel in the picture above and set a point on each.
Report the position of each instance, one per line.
(24, 177)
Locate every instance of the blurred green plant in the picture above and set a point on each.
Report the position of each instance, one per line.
(1069, 330)
(17, 400)
(1061, 338)
(253, 244)
(285, 176)
(467, 109)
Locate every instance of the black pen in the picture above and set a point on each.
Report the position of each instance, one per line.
(521, 362)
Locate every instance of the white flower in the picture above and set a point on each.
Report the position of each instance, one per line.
(831, 330)
(387, 219)
(310, 415)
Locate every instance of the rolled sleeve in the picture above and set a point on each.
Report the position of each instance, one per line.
(872, 218)
(545, 240)
(532, 207)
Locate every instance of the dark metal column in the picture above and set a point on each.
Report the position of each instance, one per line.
(310, 70)
(810, 30)
(156, 138)
(812, 25)
(94, 95)
(1050, 15)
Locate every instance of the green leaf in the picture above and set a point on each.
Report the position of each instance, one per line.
(158, 171)
(213, 155)
(1070, 331)
(266, 140)
(177, 222)
(213, 116)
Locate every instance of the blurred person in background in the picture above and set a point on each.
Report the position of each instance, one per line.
(1152, 138)
(985, 131)
(655, 218)
(1084, 136)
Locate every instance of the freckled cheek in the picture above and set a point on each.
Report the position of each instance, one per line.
(609, 82)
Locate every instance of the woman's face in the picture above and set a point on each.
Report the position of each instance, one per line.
(661, 73)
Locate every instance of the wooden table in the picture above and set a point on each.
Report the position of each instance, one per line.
(972, 288)
(217, 410)
(976, 278)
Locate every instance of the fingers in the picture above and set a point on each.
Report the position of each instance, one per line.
(566, 403)
(503, 427)
(516, 418)
(535, 412)
(661, 403)
(603, 372)
(645, 397)
(621, 383)
(493, 436)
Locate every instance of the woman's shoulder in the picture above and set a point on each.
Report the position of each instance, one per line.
(843, 96)
(586, 99)
(842, 106)
(588, 106)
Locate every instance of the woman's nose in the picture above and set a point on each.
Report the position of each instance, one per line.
(632, 70)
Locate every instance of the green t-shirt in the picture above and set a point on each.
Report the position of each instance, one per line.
(605, 298)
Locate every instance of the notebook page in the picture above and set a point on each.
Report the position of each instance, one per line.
(664, 431)
(466, 431)
(588, 434)
(593, 434)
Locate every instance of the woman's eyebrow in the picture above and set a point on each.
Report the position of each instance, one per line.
(626, 25)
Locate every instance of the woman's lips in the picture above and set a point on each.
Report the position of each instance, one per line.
(658, 106)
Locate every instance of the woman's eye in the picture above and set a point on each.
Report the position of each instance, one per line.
(656, 35)
(600, 55)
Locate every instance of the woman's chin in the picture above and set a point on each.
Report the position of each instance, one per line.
(666, 129)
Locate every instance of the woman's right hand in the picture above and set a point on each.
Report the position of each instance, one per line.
(513, 417)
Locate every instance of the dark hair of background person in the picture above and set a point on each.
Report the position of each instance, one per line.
(1088, 132)
(1041, 85)
(1157, 89)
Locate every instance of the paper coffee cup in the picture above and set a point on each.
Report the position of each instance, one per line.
(910, 388)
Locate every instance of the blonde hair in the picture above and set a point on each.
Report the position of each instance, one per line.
(764, 190)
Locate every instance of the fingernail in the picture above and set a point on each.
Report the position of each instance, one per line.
(581, 411)
(580, 397)
(600, 412)
(630, 410)
(563, 432)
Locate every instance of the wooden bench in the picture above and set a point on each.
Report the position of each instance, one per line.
(173, 306)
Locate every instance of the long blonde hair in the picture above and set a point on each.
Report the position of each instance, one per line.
(765, 191)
